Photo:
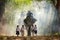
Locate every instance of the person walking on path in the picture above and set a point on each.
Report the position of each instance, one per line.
(35, 30)
(17, 30)
(22, 30)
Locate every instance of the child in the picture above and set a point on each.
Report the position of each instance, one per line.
(32, 29)
(22, 30)
(35, 30)
(17, 30)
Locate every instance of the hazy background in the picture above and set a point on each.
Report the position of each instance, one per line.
(13, 12)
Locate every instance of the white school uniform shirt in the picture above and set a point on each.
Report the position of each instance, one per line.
(22, 29)
(17, 29)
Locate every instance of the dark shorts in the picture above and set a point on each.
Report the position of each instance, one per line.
(17, 32)
(35, 31)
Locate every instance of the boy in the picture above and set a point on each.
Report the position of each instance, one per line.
(17, 30)
(22, 30)
(32, 29)
(35, 30)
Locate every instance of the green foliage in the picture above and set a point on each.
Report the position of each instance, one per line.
(9, 17)
(38, 0)
(19, 3)
(11, 5)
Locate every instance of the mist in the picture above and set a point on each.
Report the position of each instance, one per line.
(44, 12)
